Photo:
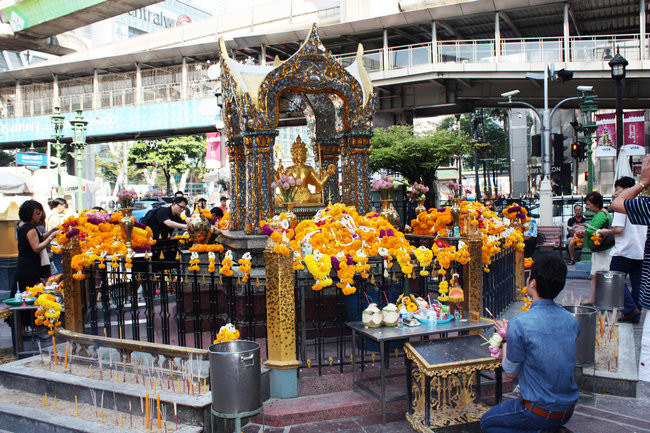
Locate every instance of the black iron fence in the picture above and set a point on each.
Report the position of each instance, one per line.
(163, 302)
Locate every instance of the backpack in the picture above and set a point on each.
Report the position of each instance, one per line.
(149, 219)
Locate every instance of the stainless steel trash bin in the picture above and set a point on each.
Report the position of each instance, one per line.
(235, 377)
(586, 342)
(609, 289)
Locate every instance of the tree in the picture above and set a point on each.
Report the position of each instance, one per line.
(416, 157)
(171, 156)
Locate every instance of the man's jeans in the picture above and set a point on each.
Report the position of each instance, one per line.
(633, 269)
(512, 417)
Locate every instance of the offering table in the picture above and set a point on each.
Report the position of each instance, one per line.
(384, 335)
(443, 382)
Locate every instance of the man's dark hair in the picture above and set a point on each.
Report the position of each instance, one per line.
(625, 182)
(549, 272)
(179, 194)
(223, 199)
(57, 202)
(216, 211)
(577, 205)
(180, 199)
(595, 198)
(26, 211)
(202, 199)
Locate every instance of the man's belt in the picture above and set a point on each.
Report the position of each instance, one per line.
(546, 413)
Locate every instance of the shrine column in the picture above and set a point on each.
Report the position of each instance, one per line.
(330, 154)
(238, 183)
(356, 178)
(258, 149)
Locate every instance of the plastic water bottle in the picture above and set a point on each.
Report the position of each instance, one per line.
(403, 314)
(19, 296)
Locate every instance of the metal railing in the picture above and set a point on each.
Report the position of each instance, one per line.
(521, 50)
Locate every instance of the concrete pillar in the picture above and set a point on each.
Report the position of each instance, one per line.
(385, 51)
(95, 104)
(567, 30)
(18, 107)
(497, 37)
(642, 22)
(434, 42)
(184, 80)
(56, 100)
(263, 55)
(518, 151)
(138, 84)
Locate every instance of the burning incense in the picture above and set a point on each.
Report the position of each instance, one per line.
(56, 360)
(40, 351)
(130, 416)
(146, 397)
(158, 409)
(93, 396)
(175, 416)
(101, 367)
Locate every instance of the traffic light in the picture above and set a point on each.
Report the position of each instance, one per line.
(586, 176)
(558, 149)
(582, 150)
(145, 164)
(575, 151)
(536, 145)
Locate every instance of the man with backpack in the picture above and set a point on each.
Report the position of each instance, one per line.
(165, 219)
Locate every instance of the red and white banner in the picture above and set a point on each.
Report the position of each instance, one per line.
(633, 128)
(213, 150)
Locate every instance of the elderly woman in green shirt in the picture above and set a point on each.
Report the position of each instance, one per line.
(599, 259)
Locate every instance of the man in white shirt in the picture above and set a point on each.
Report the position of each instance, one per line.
(627, 254)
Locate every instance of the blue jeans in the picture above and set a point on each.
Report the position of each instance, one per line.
(512, 417)
(633, 269)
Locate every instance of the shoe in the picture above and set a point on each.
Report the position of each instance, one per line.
(571, 262)
(633, 316)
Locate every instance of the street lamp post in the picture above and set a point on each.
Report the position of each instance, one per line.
(58, 120)
(588, 108)
(79, 142)
(618, 64)
(546, 118)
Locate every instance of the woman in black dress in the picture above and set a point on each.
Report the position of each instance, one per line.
(30, 244)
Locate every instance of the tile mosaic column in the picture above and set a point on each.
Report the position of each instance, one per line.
(356, 176)
(330, 154)
(238, 183)
(258, 145)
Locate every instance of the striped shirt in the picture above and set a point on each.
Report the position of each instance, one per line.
(638, 210)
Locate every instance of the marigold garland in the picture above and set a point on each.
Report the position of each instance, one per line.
(226, 265)
(245, 265)
(228, 332)
(48, 312)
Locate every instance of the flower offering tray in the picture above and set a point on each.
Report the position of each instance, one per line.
(17, 302)
(422, 318)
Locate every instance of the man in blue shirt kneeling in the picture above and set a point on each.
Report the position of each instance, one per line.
(540, 350)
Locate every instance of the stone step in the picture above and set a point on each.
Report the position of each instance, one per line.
(17, 418)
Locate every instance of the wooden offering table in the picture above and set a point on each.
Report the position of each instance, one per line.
(443, 382)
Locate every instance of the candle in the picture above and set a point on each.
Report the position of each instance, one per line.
(45, 400)
(55, 402)
(56, 360)
(120, 333)
(121, 421)
(105, 336)
(146, 397)
(76, 405)
(154, 385)
(179, 385)
(65, 361)
(91, 371)
(101, 416)
(158, 409)
(205, 389)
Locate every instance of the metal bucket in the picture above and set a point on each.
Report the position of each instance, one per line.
(235, 377)
(586, 342)
(609, 289)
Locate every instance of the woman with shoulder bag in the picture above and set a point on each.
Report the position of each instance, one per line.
(600, 256)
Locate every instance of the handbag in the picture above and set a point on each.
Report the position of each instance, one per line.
(45, 258)
(607, 242)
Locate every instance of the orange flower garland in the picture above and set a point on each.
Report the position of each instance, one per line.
(245, 265)
(226, 265)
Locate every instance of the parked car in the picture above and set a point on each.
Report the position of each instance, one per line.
(141, 207)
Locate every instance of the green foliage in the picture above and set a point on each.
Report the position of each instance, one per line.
(416, 157)
(172, 156)
(6, 159)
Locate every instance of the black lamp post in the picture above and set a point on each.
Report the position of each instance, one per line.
(58, 120)
(618, 64)
(79, 126)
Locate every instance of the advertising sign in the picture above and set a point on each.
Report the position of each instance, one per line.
(633, 131)
(195, 113)
(30, 13)
(213, 150)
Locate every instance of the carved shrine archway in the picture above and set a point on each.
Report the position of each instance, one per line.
(341, 103)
